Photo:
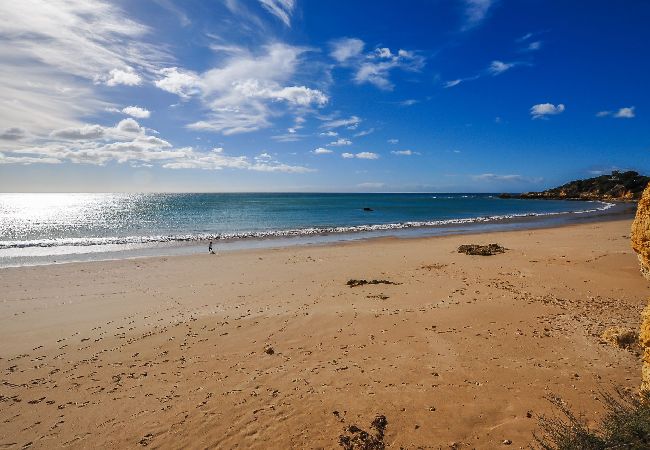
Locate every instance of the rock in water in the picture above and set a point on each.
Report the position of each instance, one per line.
(641, 245)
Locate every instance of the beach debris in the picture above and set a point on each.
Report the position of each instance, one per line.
(357, 439)
(620, 337)
(481, 250)
(355, 283)
(269, 350)
(431, 267)
(146, 439)
(507, 442)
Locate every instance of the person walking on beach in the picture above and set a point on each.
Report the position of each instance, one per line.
(210, 248)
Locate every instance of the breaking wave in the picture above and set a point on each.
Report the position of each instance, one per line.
(309, 231)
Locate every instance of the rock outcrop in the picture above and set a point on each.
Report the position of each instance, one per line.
(618, 186)
(641, 245)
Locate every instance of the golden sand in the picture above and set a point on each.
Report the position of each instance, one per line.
(272, 349)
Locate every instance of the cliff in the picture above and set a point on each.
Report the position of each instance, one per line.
(618, 186)
(641, 244)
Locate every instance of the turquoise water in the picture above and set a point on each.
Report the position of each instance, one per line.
(82, 223)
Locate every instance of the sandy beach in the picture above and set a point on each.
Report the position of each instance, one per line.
(272, 349)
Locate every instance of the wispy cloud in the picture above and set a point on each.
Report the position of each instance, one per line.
(529, 42)
(475, 12)
(52, 52)
(282, 9)
(373, 67)
(364, 132)
(351, 123)
(322, 151)
(498, 67)
(346, 48)
(622, 113)
(404, 152)
(543, 110)
(495, 68)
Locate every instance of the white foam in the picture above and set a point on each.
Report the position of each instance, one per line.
(279, 233)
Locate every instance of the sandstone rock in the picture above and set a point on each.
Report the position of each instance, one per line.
(620, 337)
(641, 245)
(641, 232)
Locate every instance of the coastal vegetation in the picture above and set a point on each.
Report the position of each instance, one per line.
(617, 186)
(625, 425)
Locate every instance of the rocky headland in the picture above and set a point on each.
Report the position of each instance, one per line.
(617, 186)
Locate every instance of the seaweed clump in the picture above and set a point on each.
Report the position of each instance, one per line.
(481, 250)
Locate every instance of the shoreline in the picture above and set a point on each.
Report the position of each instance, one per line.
(39, 256)
(173, 350)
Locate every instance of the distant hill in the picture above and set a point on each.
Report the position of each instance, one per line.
(621, 186)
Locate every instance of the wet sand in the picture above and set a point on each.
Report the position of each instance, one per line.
(271, 348)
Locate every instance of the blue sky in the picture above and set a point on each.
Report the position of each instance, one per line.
(291, 95)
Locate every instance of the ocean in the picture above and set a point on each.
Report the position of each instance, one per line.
(53, 228)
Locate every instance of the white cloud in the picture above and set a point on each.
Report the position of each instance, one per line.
(373, 67)
(217, 160)
(393, 141)
(347, 155)
(282, 9)
(404, 152)
(340, 142)
(128, 143)
(376, 68)
(183, 83)
(352, 122)
(322, 151)
(242, 93)
(625, 113)
(129, 126)
(329, 133)
(542, 110)
(137, 112)
(622, 113)
(498, 67)
(126, 77)
(475, 12)
(297, 95)
(366, 155)
(346, 48)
